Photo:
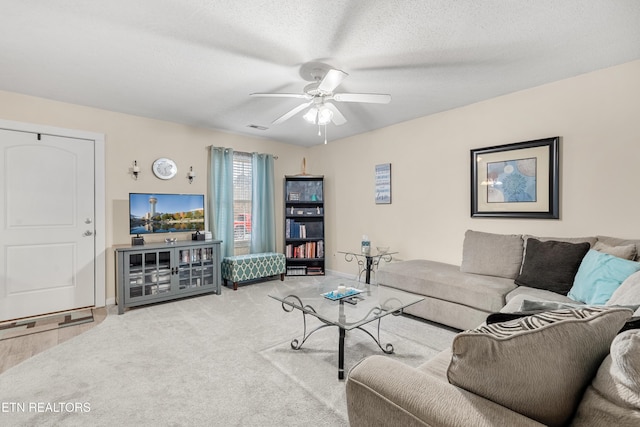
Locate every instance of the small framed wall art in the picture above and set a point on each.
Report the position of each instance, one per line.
(383, 184)
(519, 180)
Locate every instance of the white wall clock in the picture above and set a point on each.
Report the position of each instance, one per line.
(164, 168)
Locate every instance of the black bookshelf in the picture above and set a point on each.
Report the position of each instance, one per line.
(304, 225)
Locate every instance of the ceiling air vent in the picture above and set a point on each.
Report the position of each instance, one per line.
(257, 127)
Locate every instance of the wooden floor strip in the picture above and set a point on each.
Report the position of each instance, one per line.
(16, 350)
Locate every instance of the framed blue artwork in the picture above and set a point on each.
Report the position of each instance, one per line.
(519, 180)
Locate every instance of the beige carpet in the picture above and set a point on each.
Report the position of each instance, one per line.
(214, 360)
(315, 366)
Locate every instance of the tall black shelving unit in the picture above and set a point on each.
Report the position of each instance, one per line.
(304, 224)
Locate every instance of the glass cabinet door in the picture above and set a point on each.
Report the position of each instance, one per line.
(195, 268)
(149, 273)
(208, 271)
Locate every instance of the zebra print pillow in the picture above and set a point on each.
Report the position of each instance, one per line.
(535, 321)
(537, 365)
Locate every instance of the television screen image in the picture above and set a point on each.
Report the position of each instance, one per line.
(164, 213)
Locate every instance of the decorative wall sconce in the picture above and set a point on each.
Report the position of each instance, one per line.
(191, 174)
(135, 170)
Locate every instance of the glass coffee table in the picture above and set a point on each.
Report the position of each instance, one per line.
(346, 310)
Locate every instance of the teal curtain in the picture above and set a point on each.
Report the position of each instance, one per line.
(220, 212)
(263, 227)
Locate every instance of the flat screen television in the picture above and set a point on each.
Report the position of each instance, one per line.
(163, 213)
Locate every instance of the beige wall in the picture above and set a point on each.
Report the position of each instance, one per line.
(129, 138)
(597, 116)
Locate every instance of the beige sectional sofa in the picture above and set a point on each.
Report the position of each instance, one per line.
(462, 296)
(557, 362)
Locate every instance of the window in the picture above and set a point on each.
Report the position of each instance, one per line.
(241, 202)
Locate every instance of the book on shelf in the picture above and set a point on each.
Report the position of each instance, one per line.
(295, 229)
(313, 249)
(302, 230)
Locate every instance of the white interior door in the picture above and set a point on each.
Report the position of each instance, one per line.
(47, 235)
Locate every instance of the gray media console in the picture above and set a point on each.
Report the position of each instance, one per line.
(164, 271)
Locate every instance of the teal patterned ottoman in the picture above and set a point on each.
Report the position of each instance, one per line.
(240, 268)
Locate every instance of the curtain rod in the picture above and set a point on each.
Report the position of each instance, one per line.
(226, 148)
(263, 154)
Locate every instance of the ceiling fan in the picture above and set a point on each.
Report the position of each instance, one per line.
(320, 97)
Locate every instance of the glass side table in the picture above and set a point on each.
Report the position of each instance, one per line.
(367, 263)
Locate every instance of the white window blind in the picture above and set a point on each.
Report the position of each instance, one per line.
(241, 201)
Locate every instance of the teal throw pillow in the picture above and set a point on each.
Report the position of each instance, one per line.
(599, 275)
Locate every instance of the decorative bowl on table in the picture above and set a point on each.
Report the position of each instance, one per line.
(382, 249)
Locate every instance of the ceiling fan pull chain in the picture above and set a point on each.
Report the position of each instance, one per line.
(319, 133)
(325, 133)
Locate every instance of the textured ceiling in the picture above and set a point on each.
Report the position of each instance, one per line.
(196, 62)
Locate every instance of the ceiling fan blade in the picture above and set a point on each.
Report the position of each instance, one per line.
(337, 118)
(282, 95)
(332, 80)
(372, 98)
(291, 113)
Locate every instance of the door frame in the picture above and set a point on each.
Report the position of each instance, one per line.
(99, 192)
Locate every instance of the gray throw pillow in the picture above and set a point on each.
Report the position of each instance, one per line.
(616, 241)
(622, 251)
(613, 398)
(628, 293)
(551, 265)
(540, 365)
(491, 254)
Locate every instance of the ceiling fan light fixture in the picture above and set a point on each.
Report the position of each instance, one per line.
(324, 115)
(324, 80)
(311, 115)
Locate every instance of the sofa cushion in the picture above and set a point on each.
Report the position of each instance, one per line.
(551, 265)
(613, 398)
(446, 282)
(530, 366)
(382, 391)
(492, 254)
(599, 275)
(623, 251)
